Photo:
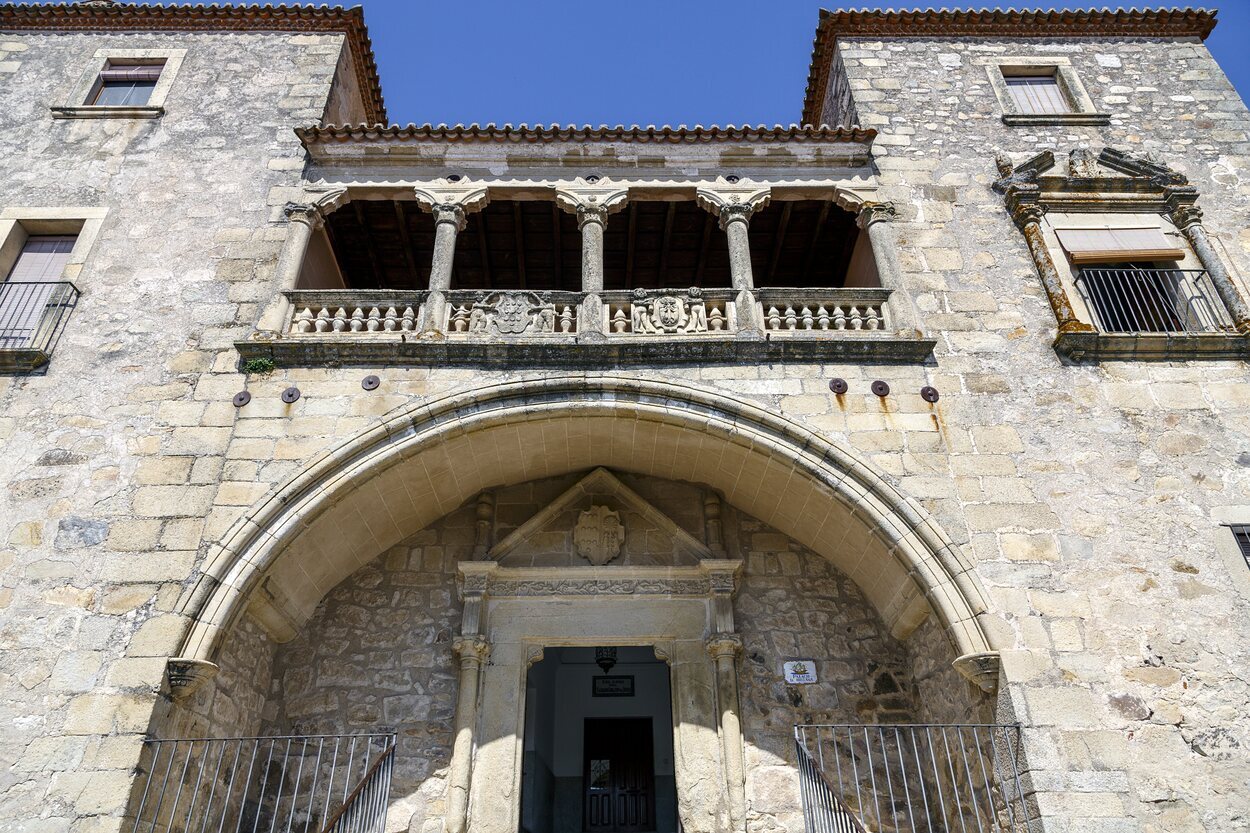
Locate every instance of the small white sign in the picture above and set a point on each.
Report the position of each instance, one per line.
(800, 672)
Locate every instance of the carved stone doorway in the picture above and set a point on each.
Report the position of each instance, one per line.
(598, 745)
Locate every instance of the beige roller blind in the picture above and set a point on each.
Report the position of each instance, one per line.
(1117, 245)
(1037, 94)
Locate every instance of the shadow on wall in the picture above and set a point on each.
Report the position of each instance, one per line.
(376, 657)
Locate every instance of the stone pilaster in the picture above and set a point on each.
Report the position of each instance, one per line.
(1026, 213)
(1188, 218)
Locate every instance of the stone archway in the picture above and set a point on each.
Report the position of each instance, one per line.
(422, 462)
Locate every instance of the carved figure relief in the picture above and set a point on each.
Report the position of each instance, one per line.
(599, 535)
(669, 313)
(511, 313)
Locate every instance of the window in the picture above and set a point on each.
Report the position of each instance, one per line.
(125, 85)
(1037, 93)
(33, 289)
(1242, 536)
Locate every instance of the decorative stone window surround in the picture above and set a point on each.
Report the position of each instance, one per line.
(1228, 517)
(18, 223)
(1083, 109)
(1115, 186)
(444, 325)
(76, 108)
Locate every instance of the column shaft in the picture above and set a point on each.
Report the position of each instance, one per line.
(592, 252)
(724, 649)
(448, 220)
(302, 221)
(1051, 282)
(874, 219)
(739, 251)
(1196, 233)
(471, 651)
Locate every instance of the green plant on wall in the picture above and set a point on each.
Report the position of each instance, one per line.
(258, 366)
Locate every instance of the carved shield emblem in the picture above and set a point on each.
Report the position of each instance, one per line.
(512, 316)
(669, 313)
(599, 535)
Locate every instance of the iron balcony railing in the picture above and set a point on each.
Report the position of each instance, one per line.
(286, 784)
(1128, 300)
(913, 778)
(32, 317)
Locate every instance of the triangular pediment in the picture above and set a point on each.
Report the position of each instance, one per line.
(599, 520)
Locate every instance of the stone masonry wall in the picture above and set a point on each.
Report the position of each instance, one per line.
(1090, 492)
(110, 464)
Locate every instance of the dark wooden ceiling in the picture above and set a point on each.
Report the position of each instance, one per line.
(534, 245)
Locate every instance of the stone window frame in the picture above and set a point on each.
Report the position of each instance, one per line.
(1083, 109)
(84, 89)
(1231, 518)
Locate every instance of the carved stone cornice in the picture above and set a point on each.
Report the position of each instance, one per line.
(724, 645)
(733, 201)
(185, 676)
(876, 212)
(487, 579)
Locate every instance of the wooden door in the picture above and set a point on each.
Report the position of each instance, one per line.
(618, 776)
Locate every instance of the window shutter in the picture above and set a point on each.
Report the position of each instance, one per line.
(131, 72)
(43, 259)
(1037, 94)
(1117, 245)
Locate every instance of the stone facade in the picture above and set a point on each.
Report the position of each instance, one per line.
(1085, 498)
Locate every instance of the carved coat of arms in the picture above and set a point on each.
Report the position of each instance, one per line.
(599, 535)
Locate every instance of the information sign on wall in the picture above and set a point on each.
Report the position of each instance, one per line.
(618, 686)
(800, 672)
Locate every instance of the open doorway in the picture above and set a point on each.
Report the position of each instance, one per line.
(598, 743)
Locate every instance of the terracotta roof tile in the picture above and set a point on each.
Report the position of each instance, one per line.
(584, 133)
(199, 18)
(992, 23)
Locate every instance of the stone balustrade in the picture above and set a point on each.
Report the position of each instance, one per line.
(612, 326)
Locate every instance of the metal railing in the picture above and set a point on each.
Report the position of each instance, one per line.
(281, 784)
(1129, 300)
(32, 315)
(913, 778)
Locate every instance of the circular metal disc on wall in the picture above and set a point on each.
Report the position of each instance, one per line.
(370, 382)
(290, 395)
(242, 398)
(880, 388)
(929, 393)
(838, 385)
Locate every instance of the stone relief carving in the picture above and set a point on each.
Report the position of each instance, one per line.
(600, 587)
(668, 312)
(599, 535)
(511, 313)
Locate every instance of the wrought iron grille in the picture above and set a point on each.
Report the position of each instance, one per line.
(32, 316)
(287, 784)
(1130, 300)
(913, 778)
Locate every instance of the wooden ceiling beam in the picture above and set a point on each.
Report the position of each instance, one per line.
(778, 237)
(519, 235)
(401, 217)
(664, 245)
(708, 222)
(374, 264)
(811, 248)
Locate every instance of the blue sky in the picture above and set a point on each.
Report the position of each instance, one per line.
(642, 61)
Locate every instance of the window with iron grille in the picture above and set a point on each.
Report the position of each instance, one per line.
(1242, 534)
(125, 85)
(1037, 92)
(34, 301)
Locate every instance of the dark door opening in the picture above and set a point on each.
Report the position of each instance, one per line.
(598, 748)
(618, 777)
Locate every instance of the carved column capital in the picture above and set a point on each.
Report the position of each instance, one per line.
(724, 645)
(449, 201)
(733, 202)
(592, 202)
(471, 648)
(875, 212)
(1025, 207)
(1185, 215)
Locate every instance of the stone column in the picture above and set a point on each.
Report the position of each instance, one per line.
(875, 219)
(724, 649)
(472, 652)
(591, 203)
(734, 204)
(302, 220)
(450, 202)
(1188, 218)
(1027, 214)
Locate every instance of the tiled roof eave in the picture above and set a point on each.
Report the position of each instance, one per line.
(128, 17)
(369, 134)
(993, 23)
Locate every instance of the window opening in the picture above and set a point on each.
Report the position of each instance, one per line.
(1037, 92)
(125, 85)
(32, 287)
